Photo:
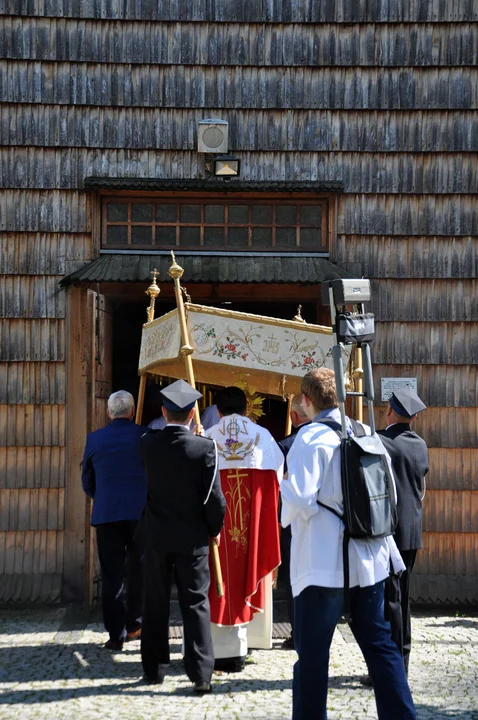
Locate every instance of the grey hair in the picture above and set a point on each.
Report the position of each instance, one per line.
(120, 403)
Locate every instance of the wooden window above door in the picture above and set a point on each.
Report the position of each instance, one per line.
(216, 222)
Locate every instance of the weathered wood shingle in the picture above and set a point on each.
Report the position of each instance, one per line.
(431, 173)
(250, 130)
(239, 87)
(397, 45)
(411, 257)
(342, 11)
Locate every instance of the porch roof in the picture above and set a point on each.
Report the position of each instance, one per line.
(208, 268)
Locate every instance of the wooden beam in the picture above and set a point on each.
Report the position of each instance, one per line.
(213, 293)
(78, 370)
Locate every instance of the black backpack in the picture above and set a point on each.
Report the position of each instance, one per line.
(370, 508)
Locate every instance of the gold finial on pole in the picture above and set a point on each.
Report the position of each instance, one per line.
(175, 271)
(298, 317)
(153, 292)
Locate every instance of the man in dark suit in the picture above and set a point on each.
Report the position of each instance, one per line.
(409, 455)
(298, 419)
(113, 476)
(184, 510)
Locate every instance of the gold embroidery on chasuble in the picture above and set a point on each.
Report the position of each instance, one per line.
(238, 498)
(233, 448)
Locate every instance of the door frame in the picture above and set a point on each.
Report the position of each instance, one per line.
(87, 393)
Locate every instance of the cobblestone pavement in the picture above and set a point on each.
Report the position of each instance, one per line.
(51, 667)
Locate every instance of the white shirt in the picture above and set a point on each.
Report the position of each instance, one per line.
(317, 534)
(210, 417)
(158, 423)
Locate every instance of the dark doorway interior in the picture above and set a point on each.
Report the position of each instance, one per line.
(128, 318)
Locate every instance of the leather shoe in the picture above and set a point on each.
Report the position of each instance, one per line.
(134, 635)
(157, 679)
(202, 688)
(115, 645)
(230, 665)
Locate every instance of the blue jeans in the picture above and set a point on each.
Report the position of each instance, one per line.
(317, 611)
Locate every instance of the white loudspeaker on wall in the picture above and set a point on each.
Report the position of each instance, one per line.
(212, 136)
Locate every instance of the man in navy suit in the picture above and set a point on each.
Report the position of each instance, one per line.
(409, 455)
(114, 478)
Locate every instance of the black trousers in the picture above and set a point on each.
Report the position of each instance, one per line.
(397, 598)
(284, 572)
(192, 578)
(121, 576)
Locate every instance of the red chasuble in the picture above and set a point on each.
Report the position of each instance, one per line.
(249, 548)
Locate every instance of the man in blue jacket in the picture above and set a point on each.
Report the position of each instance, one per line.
(113, 476)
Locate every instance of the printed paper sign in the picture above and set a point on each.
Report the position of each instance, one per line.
(389, 385)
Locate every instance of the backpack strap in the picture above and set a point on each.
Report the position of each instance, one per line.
(357, 428)
(345, 557)
(333, 425)
(358, 431)
(337, 427)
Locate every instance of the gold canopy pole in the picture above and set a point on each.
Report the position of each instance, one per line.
(139, 407)
(288, 421)
(358, 377)
(176, 272)
(153, 292)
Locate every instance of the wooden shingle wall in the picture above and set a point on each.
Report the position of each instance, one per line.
(380, 95)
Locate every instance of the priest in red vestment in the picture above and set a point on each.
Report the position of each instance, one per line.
(250, 464)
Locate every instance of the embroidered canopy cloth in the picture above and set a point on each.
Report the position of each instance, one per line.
(274, 354)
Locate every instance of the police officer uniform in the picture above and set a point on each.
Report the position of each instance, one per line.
(185, 508)
(409, 455)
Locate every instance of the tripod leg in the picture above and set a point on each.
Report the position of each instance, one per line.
(340, 384)
(368, 384)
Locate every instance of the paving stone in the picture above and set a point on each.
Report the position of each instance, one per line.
(53, 666)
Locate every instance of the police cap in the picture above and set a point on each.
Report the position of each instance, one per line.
(406, 402)
(180, 395)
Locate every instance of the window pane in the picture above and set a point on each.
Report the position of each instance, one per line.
(117, 235)
(165, 236)
(166, 213)
(262, 237)
(285, 237)
(117, 212)
(310, 238)
(190, 213)
(237, 237)
(214, 236)
(262, 214)
(311, 215)
(286, 214)
(141, 235)
(239, 214)
(189, 236)
(141, 212)
(214, 214)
